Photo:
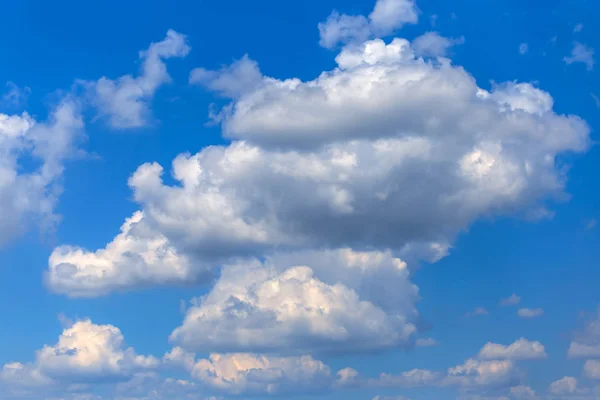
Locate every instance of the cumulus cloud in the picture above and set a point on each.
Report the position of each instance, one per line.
(565, 386)
(530, 312)
(32, 158)
(138, 256)
(431, 44)
(478, 373)
(511, 300)
(581, 54)
(522, 349)
(252, 374)
(387, 17)
(84, 353)
(341, 161)
(586, 343)
(125, 101)
(364, 302)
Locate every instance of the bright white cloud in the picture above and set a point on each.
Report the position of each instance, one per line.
(387, 17)
(367, 302)
(390, 15)
(138, 256)
(581, 54)
(255, 374)
(313, 161)
(522, 349)
(511, 300)
(125, 101)
(32, 157)
(431, 44)
(84, 353)
(530, 312)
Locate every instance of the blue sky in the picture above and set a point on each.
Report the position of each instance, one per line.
(349, 190)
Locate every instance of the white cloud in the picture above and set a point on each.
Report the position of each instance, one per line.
(565, 386)
(578, 28)
(431, 44)
(138, 256)
(586, 343)
(591, 369)
(530, 312)
(523, 48)
(32, 157)
(390, 15)
(581, 54)
(522, 349)
(477, 373)
(179, 358)
(232, 81)
(84, 353)
(511, 300)
(387, 17)
(255, 374)
(311, 161)
(367, 302)
(125, 101)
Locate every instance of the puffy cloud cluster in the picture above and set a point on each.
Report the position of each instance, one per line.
(387, 151)
(136, 257)
(124, 101)
(364, 301)
(33, 153)
(84, 353)
(32, 158)
(522, 349)
(387, 17)
(256, 374)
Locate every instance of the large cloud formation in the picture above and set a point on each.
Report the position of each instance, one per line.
(386, 151)
(364, 302)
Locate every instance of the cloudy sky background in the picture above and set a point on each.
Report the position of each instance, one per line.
(351, 200)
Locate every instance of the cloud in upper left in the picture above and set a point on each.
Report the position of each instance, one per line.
(125, 101)
(29, 191)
